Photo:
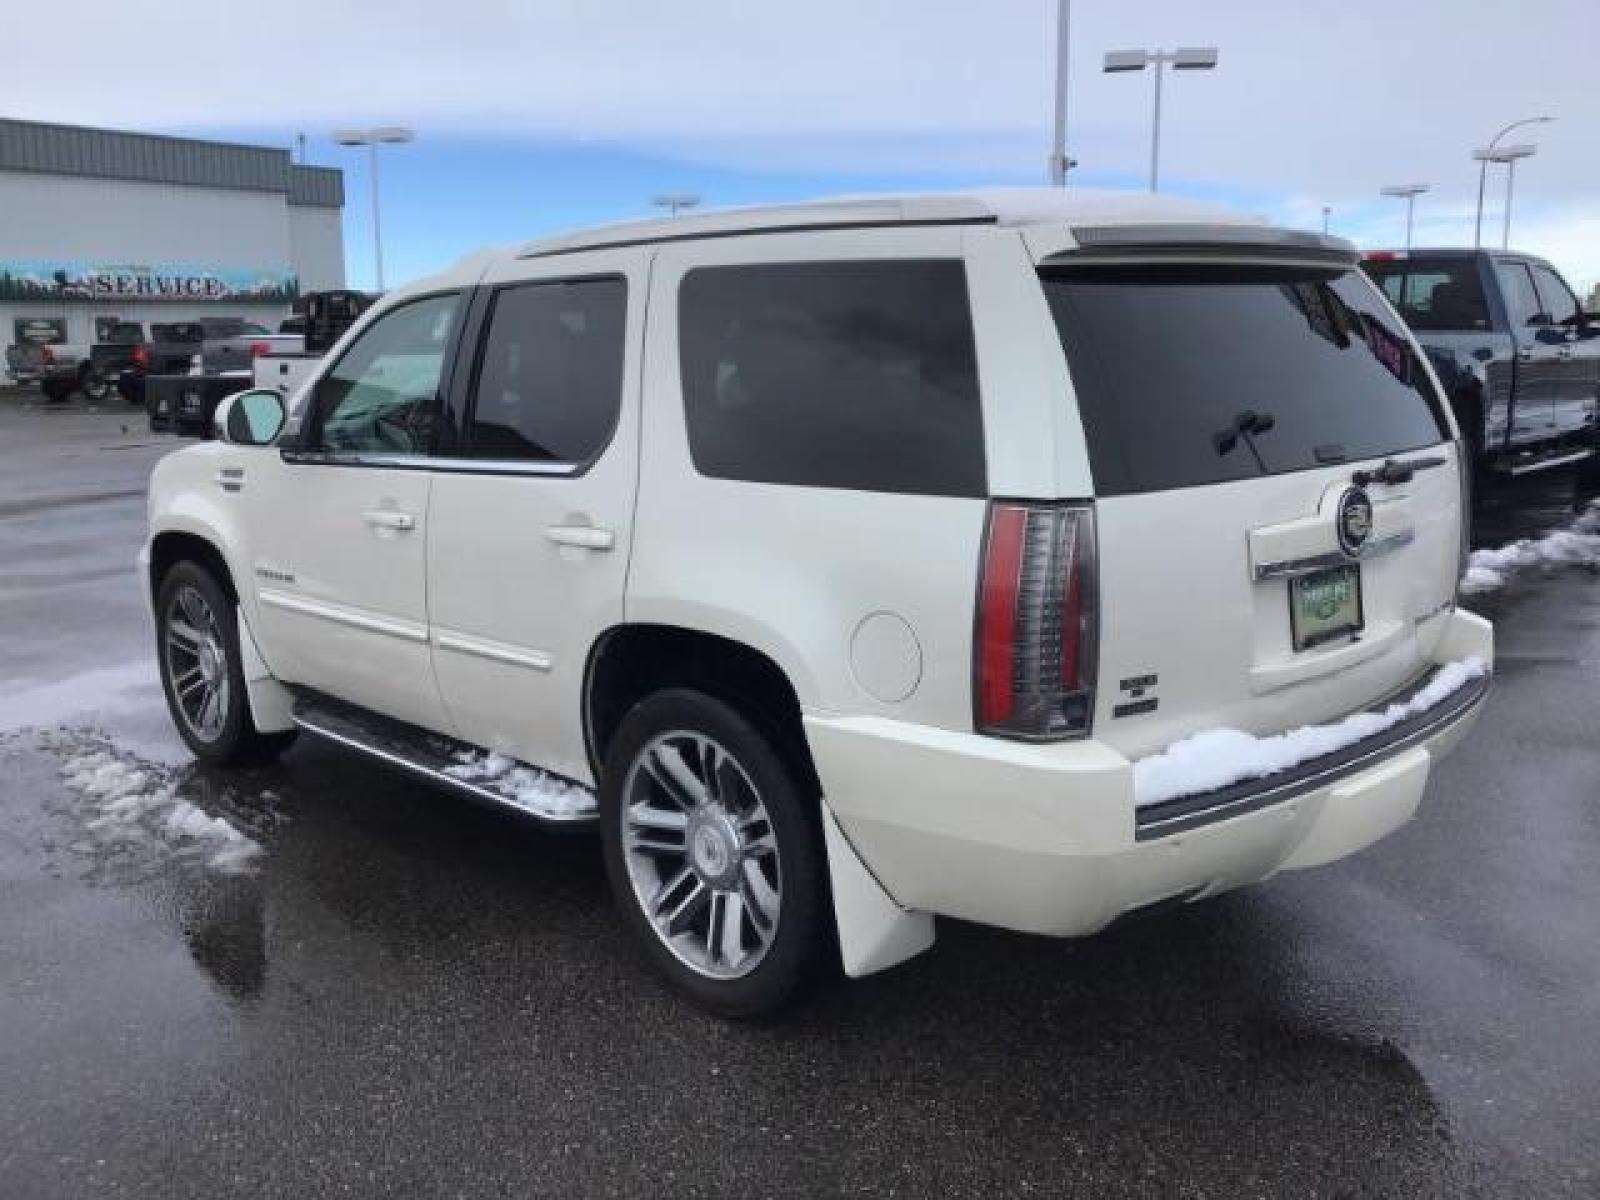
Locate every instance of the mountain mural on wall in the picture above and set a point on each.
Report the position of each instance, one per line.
(36, 280)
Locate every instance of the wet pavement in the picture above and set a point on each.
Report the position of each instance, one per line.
(402, 994)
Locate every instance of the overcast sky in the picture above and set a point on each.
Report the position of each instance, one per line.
(536, 113)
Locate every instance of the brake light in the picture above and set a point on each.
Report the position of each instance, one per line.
(46, 355)
(141, 357)
(257, 349)
(1381, 256)
(1034, 658)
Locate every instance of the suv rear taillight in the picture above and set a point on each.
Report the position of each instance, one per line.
(141, 357)
(46, 355)
(1034, 646)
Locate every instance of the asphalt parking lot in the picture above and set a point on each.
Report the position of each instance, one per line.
(401, 994)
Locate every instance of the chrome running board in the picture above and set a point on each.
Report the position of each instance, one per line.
(430, 756)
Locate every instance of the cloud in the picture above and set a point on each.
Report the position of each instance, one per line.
(1309, 105)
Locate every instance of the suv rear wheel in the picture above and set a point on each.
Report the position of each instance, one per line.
(713, 853)
(202, 672)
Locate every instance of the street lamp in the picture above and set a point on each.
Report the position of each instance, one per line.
(1059, 163)
(1327, 211)
(1507, 155)
(1409, 193)
(675, 201)
(371, 139)
(1188, 58)
(1485, 157)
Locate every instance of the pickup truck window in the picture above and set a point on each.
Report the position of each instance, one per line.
(1555, 297)
(381, 396)
(550, 379)
(1195, 375)
(1522, 302)
(1436, 295)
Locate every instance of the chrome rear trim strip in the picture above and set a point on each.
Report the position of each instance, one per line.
(1284, 568)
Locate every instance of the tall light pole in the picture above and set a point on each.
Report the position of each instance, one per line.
(675, 201)
(1409, 193)
(1485, 157)
(372, 139)
(1058, 145)
(1327, 211)
(1187, 58)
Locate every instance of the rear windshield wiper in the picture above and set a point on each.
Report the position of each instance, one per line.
(1396, 470)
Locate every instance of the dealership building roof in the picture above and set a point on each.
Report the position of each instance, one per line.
(50, 149)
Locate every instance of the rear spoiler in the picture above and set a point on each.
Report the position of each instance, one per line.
(1204, 244)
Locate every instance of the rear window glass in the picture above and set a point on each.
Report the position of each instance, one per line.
(857, 375)
(1189, 376)
(1435, 295)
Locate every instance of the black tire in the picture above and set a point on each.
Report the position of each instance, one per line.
(800, 928)
(94, 386)
(235, 741)
(55, 392)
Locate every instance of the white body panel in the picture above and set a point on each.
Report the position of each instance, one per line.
(516, 599)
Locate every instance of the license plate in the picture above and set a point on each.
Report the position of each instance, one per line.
(1325, 606)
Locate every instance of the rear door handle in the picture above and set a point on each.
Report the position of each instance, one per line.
(230, 479)
(388, 518)
(1524, 355)
(587, 537)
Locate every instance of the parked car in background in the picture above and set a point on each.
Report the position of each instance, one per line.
(1516, 354)
(25, 361)
(63, 368)
(873, 560)
(200, 363)
(322, 318)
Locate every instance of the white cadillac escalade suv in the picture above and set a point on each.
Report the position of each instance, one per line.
(1028, 558)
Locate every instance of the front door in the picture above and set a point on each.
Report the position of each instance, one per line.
(339, 522)
(530, 525)
(1577, 354)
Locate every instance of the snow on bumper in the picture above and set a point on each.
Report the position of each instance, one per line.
(1047, 838)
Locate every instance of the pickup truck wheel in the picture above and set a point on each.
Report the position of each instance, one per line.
(55, 392)
(713, 855)
(94, 385)
(202, 673)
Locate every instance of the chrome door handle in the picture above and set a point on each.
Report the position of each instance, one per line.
(1524, 355)
(587, 537)
(388, 518)
(230, 479)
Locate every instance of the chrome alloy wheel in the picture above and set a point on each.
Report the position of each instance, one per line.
(702, 854)
(197, 663)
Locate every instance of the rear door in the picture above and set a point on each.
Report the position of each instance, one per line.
(1248, 579)
(1577, 355)
(531, 524)
(1539, 365)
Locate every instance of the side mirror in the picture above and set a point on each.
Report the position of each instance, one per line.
(252, 418)
(1540, 319)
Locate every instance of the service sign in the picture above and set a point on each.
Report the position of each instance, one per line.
(26, 281)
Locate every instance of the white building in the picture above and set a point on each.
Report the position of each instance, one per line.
(97, 223)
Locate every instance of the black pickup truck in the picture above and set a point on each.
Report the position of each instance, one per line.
(1518, 358)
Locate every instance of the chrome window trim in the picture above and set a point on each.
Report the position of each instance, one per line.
(427, 462)
(1287, 568)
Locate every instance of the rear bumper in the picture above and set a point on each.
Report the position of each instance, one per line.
(1047, 839)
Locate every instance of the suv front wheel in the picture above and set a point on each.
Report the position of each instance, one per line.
(713, 852)
(202, 672)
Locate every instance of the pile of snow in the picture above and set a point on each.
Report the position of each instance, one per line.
(1576, 546)
(526, 787)
(1219, 757)
(135, 802)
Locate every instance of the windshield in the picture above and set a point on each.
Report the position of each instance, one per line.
(1196, 375)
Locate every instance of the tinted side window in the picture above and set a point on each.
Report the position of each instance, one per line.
(1522, 302)
(380, 397)
(855, 375)
(550, 379)
(1556, 298)
(1188, 376)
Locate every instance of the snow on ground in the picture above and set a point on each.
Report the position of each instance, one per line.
(526, 787)
(1219, 757)
(1576, 546)
(135, 802)
(123, 700)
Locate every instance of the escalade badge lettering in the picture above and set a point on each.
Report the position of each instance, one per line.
(1353, 521)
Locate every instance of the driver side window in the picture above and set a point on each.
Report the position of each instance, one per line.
(382, 394)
